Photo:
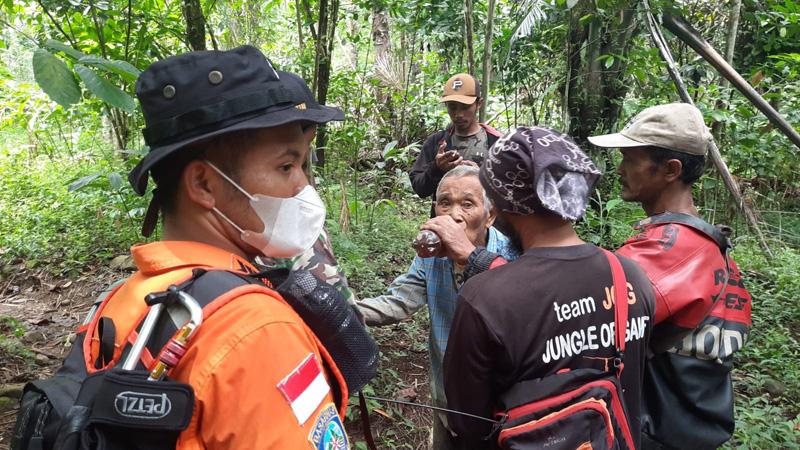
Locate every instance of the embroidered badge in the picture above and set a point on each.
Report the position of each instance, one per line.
(328, 432)
(305, 388)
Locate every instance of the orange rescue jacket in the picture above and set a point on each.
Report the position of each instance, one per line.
(256, 369)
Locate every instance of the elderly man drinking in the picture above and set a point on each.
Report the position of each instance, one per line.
(464, 218)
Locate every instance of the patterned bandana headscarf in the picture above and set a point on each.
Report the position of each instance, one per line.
(534, 167)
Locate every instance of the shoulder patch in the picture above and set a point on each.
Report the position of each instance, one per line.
(305, 388)
(328, 432)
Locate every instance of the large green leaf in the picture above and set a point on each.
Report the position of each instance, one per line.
(52, 44)
(83, 181)
(121, 68)
(115, 181)
(55, 78)
(104, 90)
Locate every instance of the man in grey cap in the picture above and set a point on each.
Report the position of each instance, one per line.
(703, 309)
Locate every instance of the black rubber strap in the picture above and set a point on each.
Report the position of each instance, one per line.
(108, 333)
(713, 232)
(205, 287)
(151, 216)
(365, 424)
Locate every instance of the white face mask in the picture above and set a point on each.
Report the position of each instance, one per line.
(291, 225)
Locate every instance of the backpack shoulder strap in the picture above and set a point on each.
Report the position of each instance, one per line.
(204, 286)
(719, 234)
(620, 307)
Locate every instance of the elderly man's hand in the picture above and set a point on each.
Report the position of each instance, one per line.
(455, 243)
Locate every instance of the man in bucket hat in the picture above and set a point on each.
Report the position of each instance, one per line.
(227, 151)
(318, 259)
(703, 310)
(511, 322)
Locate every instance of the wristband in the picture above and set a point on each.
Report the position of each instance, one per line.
(479, 260)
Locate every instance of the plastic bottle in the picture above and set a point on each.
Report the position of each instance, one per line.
(427, 244)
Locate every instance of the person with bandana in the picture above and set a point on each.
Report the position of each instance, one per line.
(511, 321)
(227, 150)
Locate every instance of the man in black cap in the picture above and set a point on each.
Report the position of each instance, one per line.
(318, 259)
(549, 310)
(227, 149)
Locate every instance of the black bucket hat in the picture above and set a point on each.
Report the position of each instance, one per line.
(298, 85)
(198, 95)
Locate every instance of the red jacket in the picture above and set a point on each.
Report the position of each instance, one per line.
(687, 271)
(688, 394)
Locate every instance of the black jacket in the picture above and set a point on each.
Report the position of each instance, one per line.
(425, 175)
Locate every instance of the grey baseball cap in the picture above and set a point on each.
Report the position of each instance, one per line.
(674, 126)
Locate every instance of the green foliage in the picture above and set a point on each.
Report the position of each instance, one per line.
(761, 424)
(47, 225)
(58, 80)
(767, 375)
(121, 68)
(64, 202)
(11, 330)
(377, 243)
(104, 90)
(55, 78)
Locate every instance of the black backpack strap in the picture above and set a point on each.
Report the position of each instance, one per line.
(719, 234)
(204, 286)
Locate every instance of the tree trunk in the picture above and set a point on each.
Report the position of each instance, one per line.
(326, 28)
(470, 38)
(382, 43)
(487, 59)
(730, 47)
(195, 24)
(386, 73)
(595, 87)
(301, 42)
(320, 42)
(351, 49)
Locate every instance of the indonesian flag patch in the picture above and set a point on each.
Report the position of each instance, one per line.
(305, 388)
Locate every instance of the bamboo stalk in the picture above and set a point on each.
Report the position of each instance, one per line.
(714, 153)
(680, 28)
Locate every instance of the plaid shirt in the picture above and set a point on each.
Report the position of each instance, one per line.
(435, 282)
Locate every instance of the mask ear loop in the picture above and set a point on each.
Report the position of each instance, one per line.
(235, 184)
(222, 174)
(238, 228)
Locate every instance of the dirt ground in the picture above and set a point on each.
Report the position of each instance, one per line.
(49, 309)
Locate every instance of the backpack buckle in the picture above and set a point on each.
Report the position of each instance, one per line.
(619, 363)
(498, 425)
